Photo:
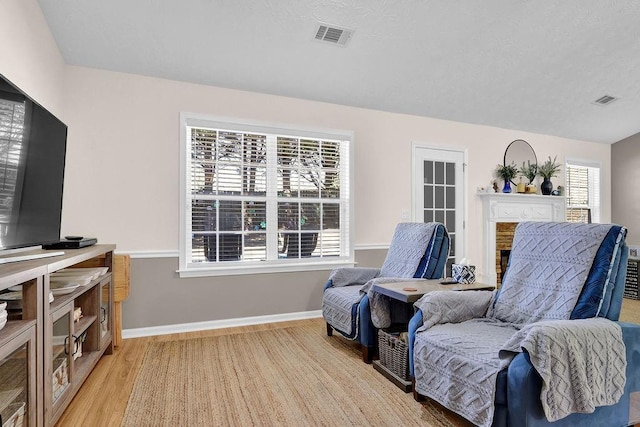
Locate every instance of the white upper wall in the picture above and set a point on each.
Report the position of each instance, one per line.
(29, 56)
(122, 176)
(124, 155)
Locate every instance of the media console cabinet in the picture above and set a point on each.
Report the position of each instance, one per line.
(46, 354)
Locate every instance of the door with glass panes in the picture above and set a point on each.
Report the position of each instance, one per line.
(438, 184)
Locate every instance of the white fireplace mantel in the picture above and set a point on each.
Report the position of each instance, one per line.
(501, 207)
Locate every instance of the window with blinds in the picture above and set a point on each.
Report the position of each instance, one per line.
(583, 193)
(262, 196)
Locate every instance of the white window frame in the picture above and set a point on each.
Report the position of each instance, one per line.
(189, 269)
(595, 194)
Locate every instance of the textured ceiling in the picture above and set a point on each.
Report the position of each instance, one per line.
(517, 64)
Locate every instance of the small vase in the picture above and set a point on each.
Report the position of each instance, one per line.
(507, 187)
(546, 187)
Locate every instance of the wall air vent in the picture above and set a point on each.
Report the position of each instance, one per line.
(605, 100)
(333, 35)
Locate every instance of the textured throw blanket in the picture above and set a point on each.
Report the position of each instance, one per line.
(380, 305)
(548, 267)
(410, 244)
(441, 307)
(582, 363)
(352, 276)
(338, 300)
(456, 352)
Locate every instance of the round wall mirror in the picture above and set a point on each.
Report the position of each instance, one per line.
(519, 152)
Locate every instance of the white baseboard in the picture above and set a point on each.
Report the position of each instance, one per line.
(218, 324)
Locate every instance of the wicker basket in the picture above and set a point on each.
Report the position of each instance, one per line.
(394, 354)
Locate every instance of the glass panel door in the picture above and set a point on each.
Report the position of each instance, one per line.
(62, 351)
(105, 309)
(14, 387)
(439, 194)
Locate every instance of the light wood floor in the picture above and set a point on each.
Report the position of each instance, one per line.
(103, 398)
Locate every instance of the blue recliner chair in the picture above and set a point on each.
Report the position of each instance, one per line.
(417, 250)
(562, 281)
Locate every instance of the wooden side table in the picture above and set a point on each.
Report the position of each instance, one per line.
(396, 290)
(409, 292)
(121, 279)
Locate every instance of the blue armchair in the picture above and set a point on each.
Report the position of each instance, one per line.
(557, 273)
(417, 250)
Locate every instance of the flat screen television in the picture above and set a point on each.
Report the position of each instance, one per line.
(33, 146)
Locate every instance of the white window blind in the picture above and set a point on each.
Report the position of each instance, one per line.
(583, 193)
(262, 196)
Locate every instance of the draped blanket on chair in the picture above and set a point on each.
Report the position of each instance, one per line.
(582, 363)
(457, 364)
(406, 260)
(408, 257)
(339, 307)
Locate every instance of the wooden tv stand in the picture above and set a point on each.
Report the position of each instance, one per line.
(43, 351)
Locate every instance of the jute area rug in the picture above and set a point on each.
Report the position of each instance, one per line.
(294, 376)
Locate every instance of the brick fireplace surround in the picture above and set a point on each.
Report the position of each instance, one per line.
(501, 213)
(504, 239)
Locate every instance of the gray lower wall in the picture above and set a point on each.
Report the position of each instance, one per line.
(625, 175)
(159, 297)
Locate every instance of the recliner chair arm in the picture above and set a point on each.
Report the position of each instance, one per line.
(524, 385)
(368, 332)
(446, 307)
(454, 306)
(414, 324)
(347, 276)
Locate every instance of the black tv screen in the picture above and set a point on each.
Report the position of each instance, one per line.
(33, 145)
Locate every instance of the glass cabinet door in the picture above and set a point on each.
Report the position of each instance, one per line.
(105, 309)
(14, 387)
(63, 349)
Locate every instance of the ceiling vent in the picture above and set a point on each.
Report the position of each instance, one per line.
(333, 35)
(605, 100)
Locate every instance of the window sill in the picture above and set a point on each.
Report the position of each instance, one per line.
(261, 269)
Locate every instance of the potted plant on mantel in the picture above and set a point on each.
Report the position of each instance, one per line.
(548, 170)
(530, 171)
(507, 173)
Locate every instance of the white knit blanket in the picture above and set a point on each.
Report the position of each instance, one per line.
(380, 305)
(548, 266)
(411, 242)
(339, 299)
(458, 355)
(582, 363)
(456, 352)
